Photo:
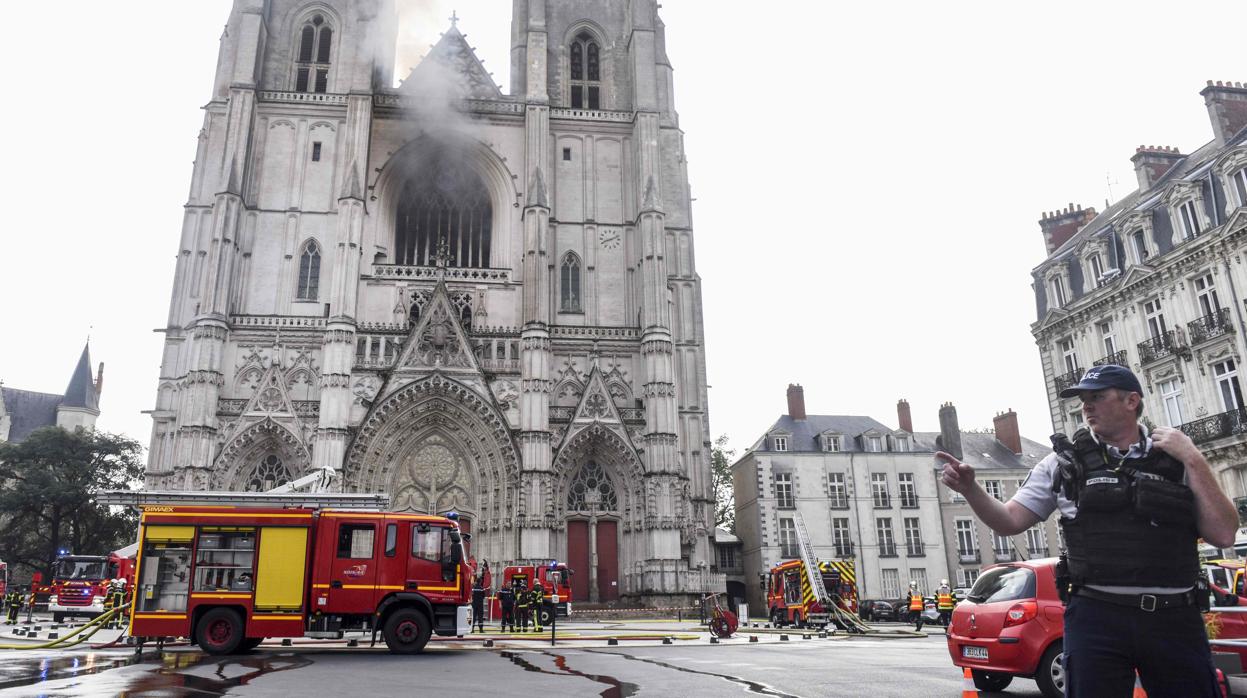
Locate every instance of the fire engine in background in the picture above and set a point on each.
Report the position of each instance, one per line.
(230, 576)
(792, 599)
(555, 577)
(80, 582)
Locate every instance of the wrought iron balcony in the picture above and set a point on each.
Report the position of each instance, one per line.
(1065, 380)
(1115, 359)
(1005, 555)
(966, 556)
(1039, 552)
(1211, 326)
(1165, 344)
(909, 500)
(1217, 426)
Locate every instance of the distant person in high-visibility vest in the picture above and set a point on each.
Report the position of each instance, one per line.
(537, 597)
(915, 605)
(13, 602)
(944, 603)
(523, 604)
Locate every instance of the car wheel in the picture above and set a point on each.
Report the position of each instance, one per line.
(546, 615)
(991, 680)
(407, 631)
(219, 631)
(1051, 672)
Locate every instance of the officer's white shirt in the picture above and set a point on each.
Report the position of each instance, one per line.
(1036, 495)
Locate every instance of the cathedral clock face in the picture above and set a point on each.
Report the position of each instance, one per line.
(609, 239)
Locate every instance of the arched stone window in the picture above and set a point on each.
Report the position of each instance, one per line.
(309, 272)
(586, 72)
(569, 286)
(311, 67)
(446, 203)
(590, 490)
(269, 473)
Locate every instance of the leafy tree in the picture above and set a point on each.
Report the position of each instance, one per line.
(47, 488)
(724, 494)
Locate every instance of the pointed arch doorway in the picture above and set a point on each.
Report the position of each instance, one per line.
(593, 534)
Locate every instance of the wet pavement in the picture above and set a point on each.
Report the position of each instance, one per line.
(836, 666)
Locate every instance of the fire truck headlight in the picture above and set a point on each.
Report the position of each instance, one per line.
(52, 599)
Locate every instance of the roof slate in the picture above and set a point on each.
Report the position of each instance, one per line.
(805, 432)
(29, 411)
(81, 391)
(982, 450)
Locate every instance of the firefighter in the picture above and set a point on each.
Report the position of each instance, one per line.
(944, 603)
(915, 605)
(13, 602)
(506, 602)
(522, 604)
(537, 597)
(478, 603)
(115, 597)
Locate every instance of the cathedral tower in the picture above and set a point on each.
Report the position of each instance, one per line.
(467, 299)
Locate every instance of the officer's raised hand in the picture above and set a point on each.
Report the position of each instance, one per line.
(1176, 443)
(957, 476)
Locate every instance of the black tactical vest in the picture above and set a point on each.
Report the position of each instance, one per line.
(1135, 524)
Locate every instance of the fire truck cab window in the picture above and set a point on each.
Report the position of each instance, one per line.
(355, 541)
(430, 543)
(391, 539)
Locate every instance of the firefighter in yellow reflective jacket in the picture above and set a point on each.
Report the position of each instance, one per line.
(13, 601)
(944, 603)
(915, 605)
(537, 597)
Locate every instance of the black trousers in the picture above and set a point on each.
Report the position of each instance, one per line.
(1105, 644)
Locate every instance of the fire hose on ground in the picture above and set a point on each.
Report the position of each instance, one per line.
(78, 636)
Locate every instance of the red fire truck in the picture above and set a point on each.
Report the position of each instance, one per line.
(80, 582)
(555, 578)
(791, 599)
(230, 576)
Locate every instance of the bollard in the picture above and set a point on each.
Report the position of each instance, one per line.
(352, 643)
(54, 636)
(612, 642)
(489, 643)
(783, 638)
(714, 640)
(807, 637)
(666, 641)
(823, 634)
(287, 642)
(753, 638)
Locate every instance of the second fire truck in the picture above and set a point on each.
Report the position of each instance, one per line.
(791, 599)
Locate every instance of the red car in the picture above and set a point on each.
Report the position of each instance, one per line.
(1011, 624)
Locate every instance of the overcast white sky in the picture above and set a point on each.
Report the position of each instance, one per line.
(868, 179)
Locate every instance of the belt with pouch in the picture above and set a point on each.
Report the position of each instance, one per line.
(1145, 602)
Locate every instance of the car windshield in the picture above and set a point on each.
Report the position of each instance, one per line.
(80, 569)
(1003, 584)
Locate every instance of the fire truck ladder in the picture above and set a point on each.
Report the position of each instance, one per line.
(814, 574)
(310, 500)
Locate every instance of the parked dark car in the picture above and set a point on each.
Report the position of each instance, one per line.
(876, 610)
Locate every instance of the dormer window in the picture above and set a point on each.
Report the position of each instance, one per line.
(874, 444)
(1238, 182)
(311, 68)
(1189, 220)
(1056, 288)
(831, 443)
(1138, 245)
(900, 444)
(1096, 268)
(586, 74)
(781, 443)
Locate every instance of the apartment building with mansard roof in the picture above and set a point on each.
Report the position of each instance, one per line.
(1157, 282)
(866, 492)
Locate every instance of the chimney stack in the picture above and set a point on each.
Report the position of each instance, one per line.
(902, 416)
(99, 380)
(796, 402)
(1007, 433)
(1227, 108)
(1059, 226)
(1151, 162)
(950, 432)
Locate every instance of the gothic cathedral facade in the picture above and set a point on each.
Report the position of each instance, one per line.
(470, 300)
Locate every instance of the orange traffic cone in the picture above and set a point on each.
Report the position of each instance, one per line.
(1138, 688)
(968, 689)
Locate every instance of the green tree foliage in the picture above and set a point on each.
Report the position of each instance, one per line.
(724, 494)
(47, 488)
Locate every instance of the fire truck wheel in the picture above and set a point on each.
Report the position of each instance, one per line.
(407, 631)
(249, 644)
(547, 616)
(219, 631)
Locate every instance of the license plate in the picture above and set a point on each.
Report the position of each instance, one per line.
(974, 652)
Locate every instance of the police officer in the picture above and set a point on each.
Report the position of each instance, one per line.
(506, 603)
(944, 602)
(915, 605)
(1132, 506)
(478, 603)
(537, 597)
(522, 604)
